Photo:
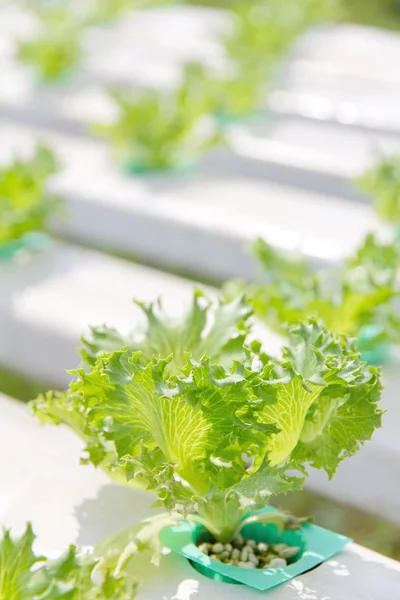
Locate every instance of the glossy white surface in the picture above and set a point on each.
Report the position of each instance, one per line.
(68, 503)
(312, 146)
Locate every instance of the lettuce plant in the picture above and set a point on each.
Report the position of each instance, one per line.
(56, 50)
(25, 576)
(25, 205)
(357, 297)
(261, 34)
(159, 131)
(215, 442)
(382, 182)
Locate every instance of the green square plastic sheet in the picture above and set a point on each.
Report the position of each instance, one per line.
(317, 545)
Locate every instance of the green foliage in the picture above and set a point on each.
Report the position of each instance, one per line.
(118, 550)
(262, 33)
(382, 182)
(56, 50)
(105, 11)
(24, 203)
(167, 130)
(360, 295)
(217, 442)
(385, 13)
(25, 576)
(217, 329)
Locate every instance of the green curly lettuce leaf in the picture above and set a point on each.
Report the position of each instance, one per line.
(382, 182)
(280, 265)
(217, 442)
(329, 408)
(118, 550)
(161, 131)
(67, 408)
(217, 329)
(25, 576)
(357, 297)
(25, 205)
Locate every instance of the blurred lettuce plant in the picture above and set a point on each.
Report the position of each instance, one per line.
(382, 182)
(261, 34)
(56, 49)
(162, 131)
(25, 205)
(357, 300)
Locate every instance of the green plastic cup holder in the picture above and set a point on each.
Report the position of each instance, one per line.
(29, 241)
(133, 167)
(211, 574)
(317, 545)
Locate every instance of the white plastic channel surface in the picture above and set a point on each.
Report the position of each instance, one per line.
(201, 222)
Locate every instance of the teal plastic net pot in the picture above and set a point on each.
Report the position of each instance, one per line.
(132, 167)
(316, 546)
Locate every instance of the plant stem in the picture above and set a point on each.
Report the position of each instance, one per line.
(209, 526)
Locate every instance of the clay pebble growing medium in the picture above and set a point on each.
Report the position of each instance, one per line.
(250, 554)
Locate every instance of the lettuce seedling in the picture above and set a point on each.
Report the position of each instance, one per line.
(382, 182)
(25, 576)
(25, 205)
(216, 443)
(261, 34)
(358, 296)
(56, 50)
(160, 131)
